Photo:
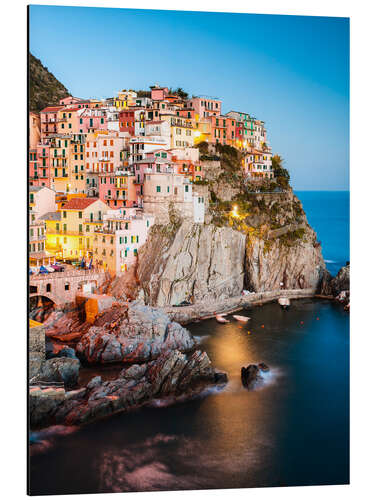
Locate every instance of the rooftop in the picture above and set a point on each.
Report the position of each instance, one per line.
(79, 203)
(51, 216)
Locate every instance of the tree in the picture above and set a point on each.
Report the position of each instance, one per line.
(281, 174)
(180, 92)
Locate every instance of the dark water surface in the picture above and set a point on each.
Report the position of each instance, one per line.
(293, 430)
(328, 214)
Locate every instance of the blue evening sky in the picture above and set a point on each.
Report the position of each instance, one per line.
(290, 71)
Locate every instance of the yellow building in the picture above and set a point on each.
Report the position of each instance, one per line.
(67, 163)
(124, 99)
(59, 162)
(70, 230)
(202, 130)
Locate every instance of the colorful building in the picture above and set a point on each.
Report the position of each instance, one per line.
(48, 121)
(116, 244)
(70, 236)
(205, 106)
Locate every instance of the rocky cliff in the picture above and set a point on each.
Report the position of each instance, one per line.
(263, 245)
(270, 243)
(203, 261)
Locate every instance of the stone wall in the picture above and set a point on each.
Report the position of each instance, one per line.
(209, 309)
(57, 281)
(37, 349)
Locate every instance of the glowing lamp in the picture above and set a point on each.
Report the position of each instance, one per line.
(234, 212)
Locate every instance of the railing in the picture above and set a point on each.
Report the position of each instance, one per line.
(65, 274)
(35, 237)
(64, 233)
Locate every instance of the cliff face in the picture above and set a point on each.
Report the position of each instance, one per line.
(288, 254)
(272, 244)
(266, 241)
(201, 261)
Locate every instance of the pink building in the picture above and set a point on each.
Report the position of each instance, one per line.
(159, 93)
(205, 106)
(39, 166)
(103, 152)
(159, 161)
(91, 119)
(48, 121)
(69, 100)
(118, 190)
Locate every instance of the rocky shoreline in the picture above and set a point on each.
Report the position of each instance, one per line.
(171, 375)
(160, 358)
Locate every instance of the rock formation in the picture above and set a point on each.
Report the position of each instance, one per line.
(135, 334)
(172, 374)
(252, 374)
(61, 369)
(200, 261)
(271, 247)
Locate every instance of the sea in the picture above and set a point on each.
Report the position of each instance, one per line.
(291, 430)
(328, 214)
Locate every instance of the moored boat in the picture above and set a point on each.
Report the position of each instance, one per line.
(221, 319)
(284, 302)
(244, 319)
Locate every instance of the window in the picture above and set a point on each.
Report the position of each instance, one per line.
(48, 287)
(67, 286)
(80, 230)
(80, 215)
(64, 215)
(186, 189)
(87, 229)
(158, 189)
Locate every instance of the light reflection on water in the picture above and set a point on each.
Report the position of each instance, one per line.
(293, 429)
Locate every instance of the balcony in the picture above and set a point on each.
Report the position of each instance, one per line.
(35, 237)
(61, 232)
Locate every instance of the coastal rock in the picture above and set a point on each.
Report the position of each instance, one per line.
(60, 370)
(172, 374)
(341, 282)
(140, 333)
(250, 375)
(200, 261)
(271, 248)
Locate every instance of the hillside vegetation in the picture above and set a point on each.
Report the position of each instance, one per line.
(44, 88)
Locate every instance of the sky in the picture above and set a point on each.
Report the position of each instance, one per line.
(290, 71)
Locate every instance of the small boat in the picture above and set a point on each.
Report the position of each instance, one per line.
(241, 318)
(220, 319)
(284, 302)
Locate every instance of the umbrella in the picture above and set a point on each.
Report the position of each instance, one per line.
(43, 270)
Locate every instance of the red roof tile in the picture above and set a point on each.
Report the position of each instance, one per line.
(79, 203)
(51, 108)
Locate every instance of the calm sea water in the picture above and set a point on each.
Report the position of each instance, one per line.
(328, 214)
(292, 430)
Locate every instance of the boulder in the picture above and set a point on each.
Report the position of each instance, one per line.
(140, 333)
(172, 374)
(60, 370)
(250, 375)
